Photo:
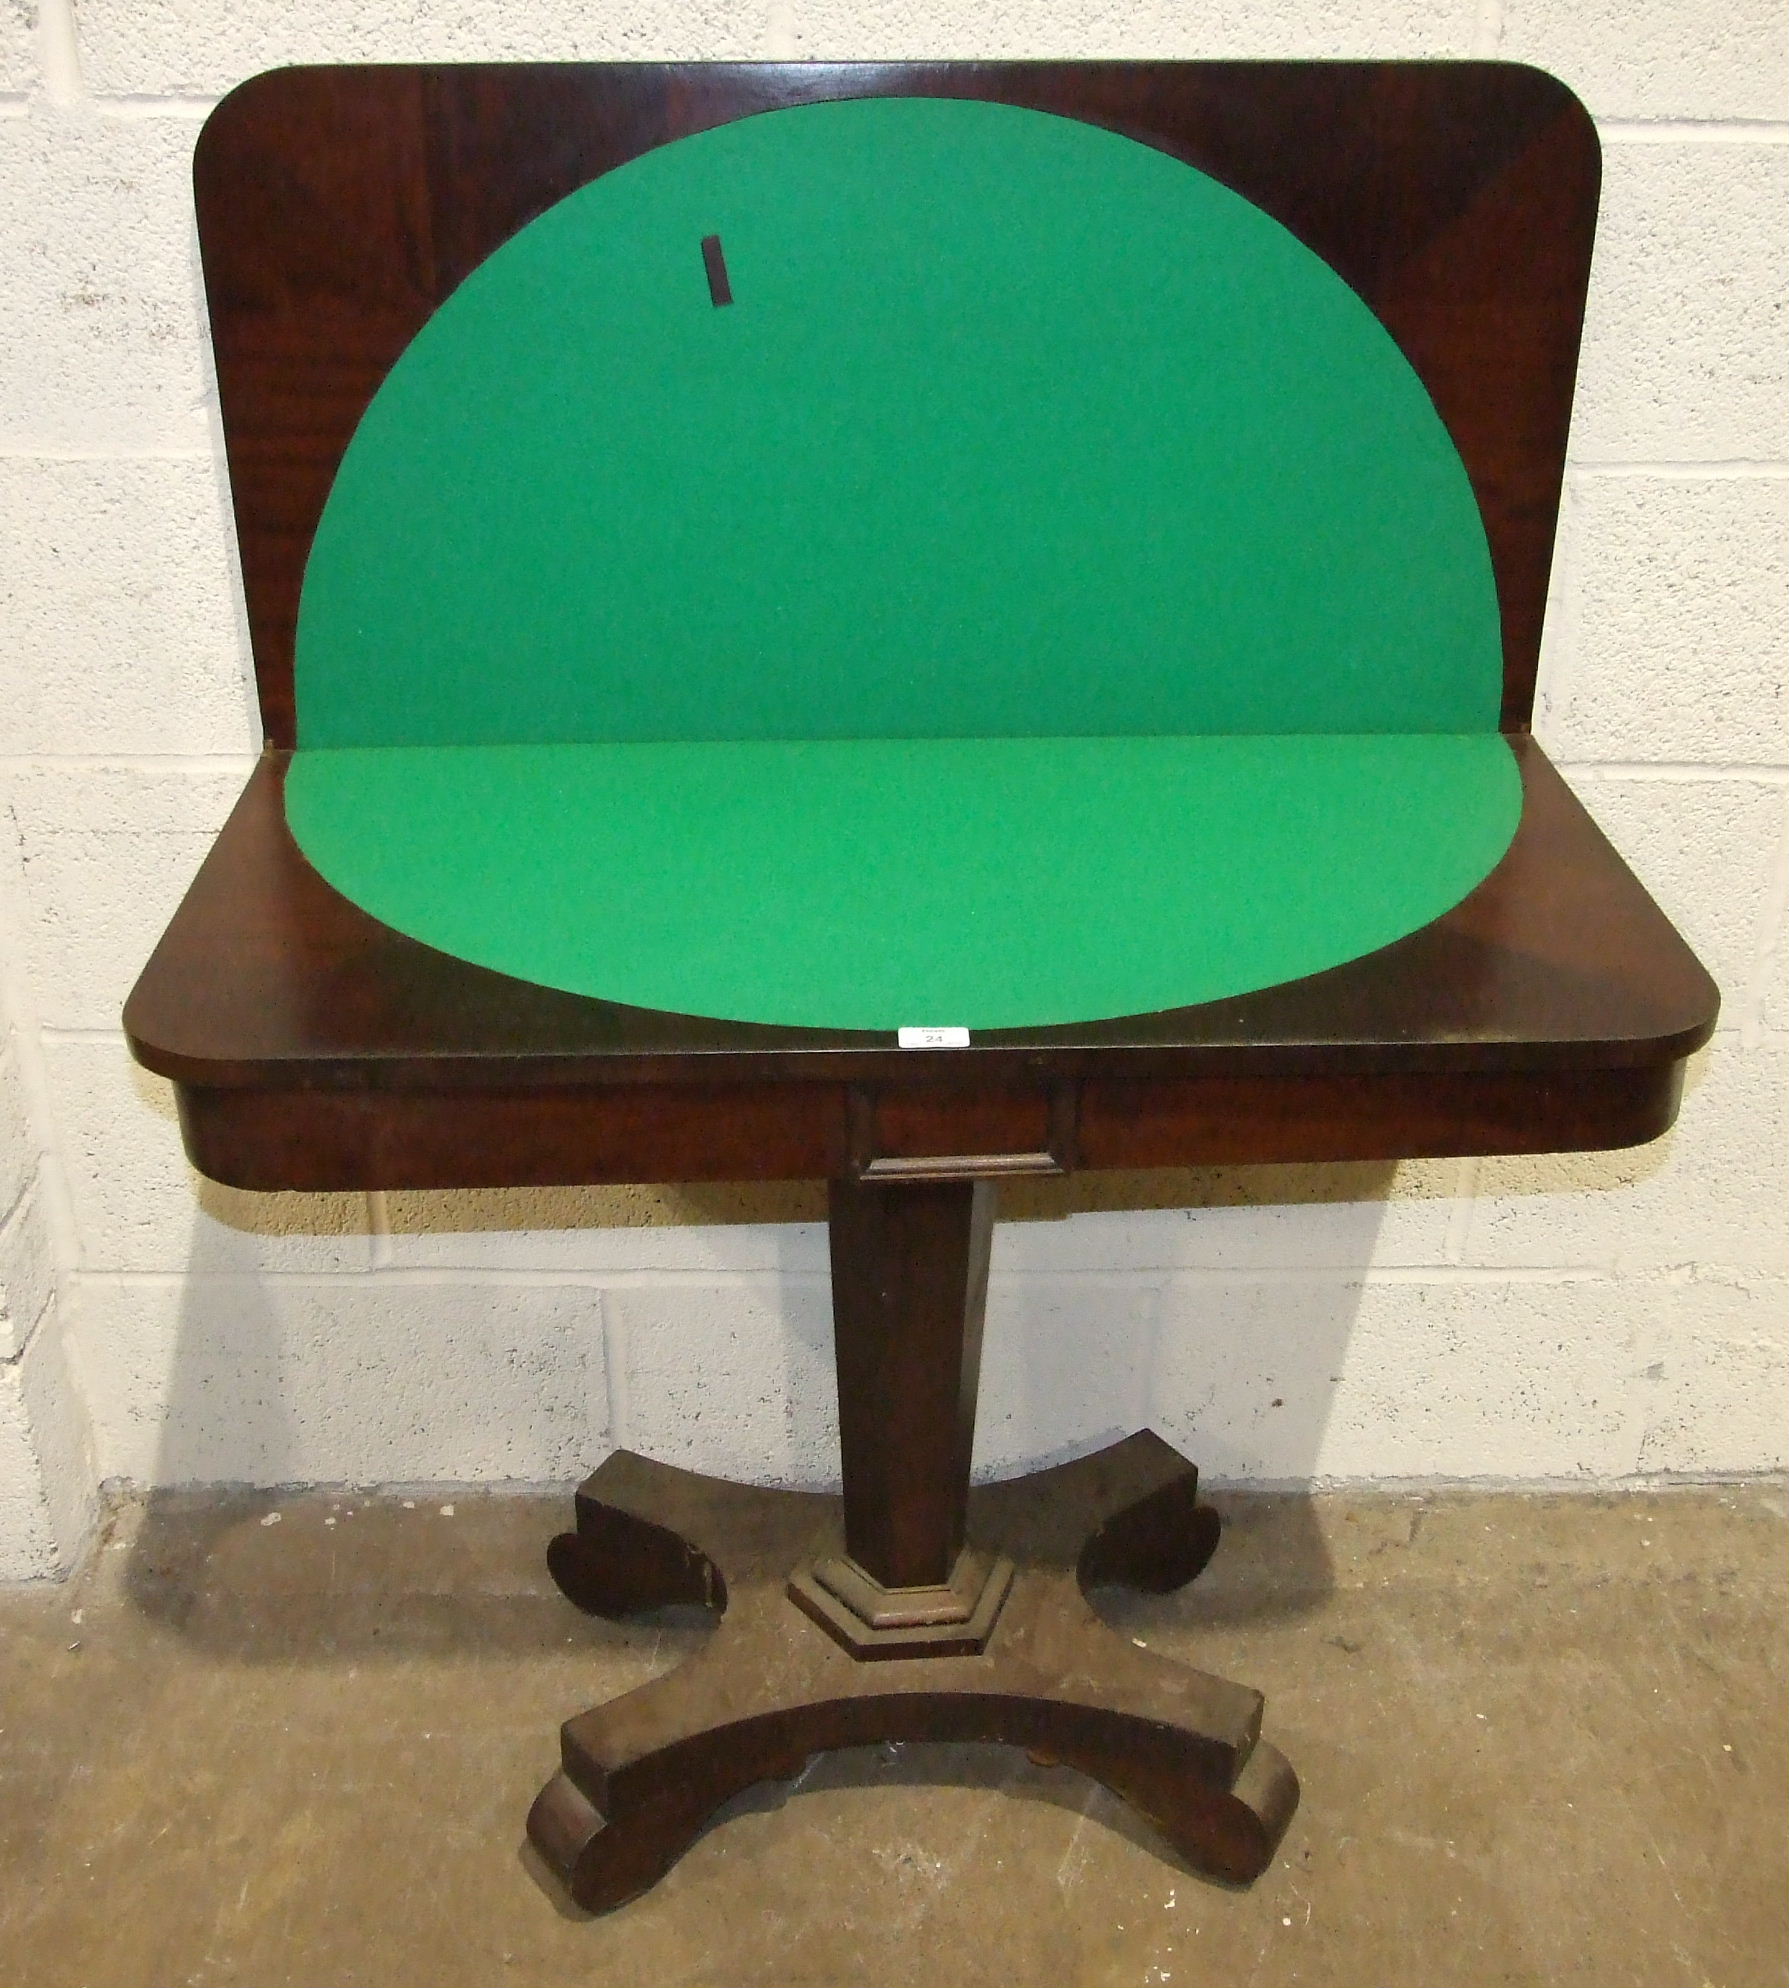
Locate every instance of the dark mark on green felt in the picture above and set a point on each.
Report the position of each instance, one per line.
(719, 288)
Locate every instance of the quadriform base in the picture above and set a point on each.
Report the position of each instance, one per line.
(773, 1686)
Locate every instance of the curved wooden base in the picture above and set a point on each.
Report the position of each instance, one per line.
(642, 1775)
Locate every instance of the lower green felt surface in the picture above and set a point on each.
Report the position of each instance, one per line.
(981, 883)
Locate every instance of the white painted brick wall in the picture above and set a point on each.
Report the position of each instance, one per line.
(1066, 1362)
(47, 1477)
(1577, 1316)
(99, 310)
(122, 625)
(730, 1376)
(48, 1481)
(1670, 574)
(18, 1145)
(1658, 58)
(1711, 1350)
(1704, 845)
(1291, 1378)
(1712, 1191)
(202, 47)
(59, 1438)
(27, 1537)
(138, 1206)
(1684, 357)
(18, 50)
(1772, 988)
(27, 1273)
(1236, 1218)
(771, 1226)
(106, 852)
(847, 30)
(285, 1380)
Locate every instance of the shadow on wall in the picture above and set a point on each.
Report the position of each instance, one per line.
(447, 1369)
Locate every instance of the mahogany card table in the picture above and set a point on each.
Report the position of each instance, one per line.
(908, 624)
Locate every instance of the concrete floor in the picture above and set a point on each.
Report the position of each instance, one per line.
(272, 1740)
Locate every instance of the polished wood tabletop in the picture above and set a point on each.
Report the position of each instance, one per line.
(313, 1046)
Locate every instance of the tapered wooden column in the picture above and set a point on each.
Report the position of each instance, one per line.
(909, 1289)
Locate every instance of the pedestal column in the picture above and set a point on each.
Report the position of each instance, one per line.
(909, 1290)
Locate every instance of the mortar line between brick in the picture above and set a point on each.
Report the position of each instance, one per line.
(1752, 1032)
(1732, 469)
(1457, 1247)
(150, 762)
(128, 109)
(1694, 131)
(1560, 648)
(18, 1012)
(1148, 1278)
(782, 38)
(25, 452)
(378, 1208)
(1487, 35)
(1679, 772)
(1497, 1484)
(59, 52)
(455, 1277)
(1159, 1399)
(43, 1322)
(613, 1333)
(1411, 1275)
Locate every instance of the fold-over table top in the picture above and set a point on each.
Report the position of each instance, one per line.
(1535, 998)
(902, 561)
(998, 424)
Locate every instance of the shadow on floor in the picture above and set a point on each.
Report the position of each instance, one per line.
(315, 1577)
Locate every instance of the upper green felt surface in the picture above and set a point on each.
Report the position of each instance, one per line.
(1015, 427)
(1043, 594)
(985, 883)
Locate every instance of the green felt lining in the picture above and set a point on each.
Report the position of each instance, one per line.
(1044, 593)
(1015, 426)
(981, 883)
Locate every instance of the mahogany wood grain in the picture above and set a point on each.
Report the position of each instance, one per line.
(909, 1290)
(643, 1774)
(339, 207)
(312, 1046)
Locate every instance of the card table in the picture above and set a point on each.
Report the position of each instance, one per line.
(906, 624)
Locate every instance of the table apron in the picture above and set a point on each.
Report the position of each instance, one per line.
(276, 1137)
